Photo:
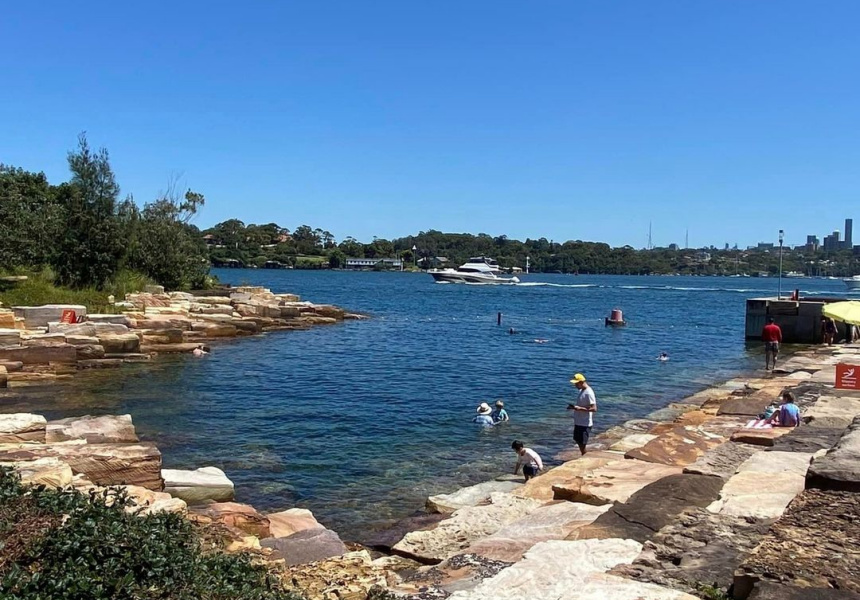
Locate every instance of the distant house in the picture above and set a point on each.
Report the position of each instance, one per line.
(211, 240)
(374, 263)
(432, 261)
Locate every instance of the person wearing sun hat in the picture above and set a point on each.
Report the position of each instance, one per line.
(583, 411)
(484, 417)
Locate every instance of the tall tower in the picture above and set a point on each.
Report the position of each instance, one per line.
(849, 225)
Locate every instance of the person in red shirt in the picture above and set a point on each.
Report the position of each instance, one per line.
(772, 336)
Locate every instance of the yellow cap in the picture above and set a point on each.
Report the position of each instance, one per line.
(578, 378)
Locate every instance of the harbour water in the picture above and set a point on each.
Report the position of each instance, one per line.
(360, 422)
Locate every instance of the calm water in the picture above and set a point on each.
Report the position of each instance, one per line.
(361, 422)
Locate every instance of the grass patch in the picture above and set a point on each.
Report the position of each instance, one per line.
(64, 545)
(39, 289)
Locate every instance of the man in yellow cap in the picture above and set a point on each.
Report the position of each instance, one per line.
(583, 411)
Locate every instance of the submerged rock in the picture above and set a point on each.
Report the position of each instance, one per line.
(95, 430)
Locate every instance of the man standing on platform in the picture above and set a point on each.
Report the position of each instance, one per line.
(583, 411)
(772, 336)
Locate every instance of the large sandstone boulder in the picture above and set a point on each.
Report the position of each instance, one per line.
(679, 447)
(214, 330)
(105, 429)
(764, 485)
(631, 442)
(469, 496)
(723, 460)
(541, 487)
(102, 464)
(242, 517)
(10, 337)
(461, 572)
(48, 471)
(306, 546)
(465, 526)
(653, 507)
(120, 343)
(31, 355)
(22, 427)
(808, 439)
(839, 469)
(614, 482)
(198, 486)
(759, 437)
(90, 351)
(815, 546)
(77, 329)
(385, 539)
(288, 522)
(40, 316)
(570, 570)
(554, 521)
(832, 412)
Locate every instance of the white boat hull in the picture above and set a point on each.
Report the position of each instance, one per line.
(453, 276)
(852, 283)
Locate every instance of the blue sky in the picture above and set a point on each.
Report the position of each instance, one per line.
(567, 120)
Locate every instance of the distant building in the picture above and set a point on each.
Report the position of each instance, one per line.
(812, 243)
(673, 247)
(831, 242)
(764, 246)
(849, 226)
(374, 263)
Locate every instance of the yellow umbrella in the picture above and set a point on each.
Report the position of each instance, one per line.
(847, 312)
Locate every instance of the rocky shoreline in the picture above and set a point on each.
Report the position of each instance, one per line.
(685, 503)
(36, 348)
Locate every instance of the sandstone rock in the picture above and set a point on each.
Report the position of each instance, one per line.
(43, 340)
(554, 521)
(82, 340)
(317, 320)
(22, 427)
(306, 546)
(816, 544)
(246, 325)
(832, 412)
(614, 482)
(49, 471)
(198, 486)
(764, 485)
(653, 507)
(839, 469)
(569, 570)
(750, 406)
(10, 337)
(7, 319)
(40, 316)
(631, 442)
(723, 460)
(465, 526)
(461, 572)
(468, 496)
(541, 487)
(103, 464)
(348, 577)
(120, 343)
(112, 319)
(12, 366)
(61, 353)
(385, 539)
(90, 351)
(243, 517)
(774, 591)
(153, 289)
(326, 310)
(808, 439)
(288, 522)
(679, 447)
(95, 430)
(74, 329)
(4, 377)
(210, 309)
(171, 348)
(100, 363)
(161, 322)
(696, 547)
(671, 412)
(759, 437)
(214, 330)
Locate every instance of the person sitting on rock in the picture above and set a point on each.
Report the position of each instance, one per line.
(528, 459)
(788, 414)
(483, 417)
(499, 414)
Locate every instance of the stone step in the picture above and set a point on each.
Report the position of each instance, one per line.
(614, 482)
(469, 496)
(839, 469)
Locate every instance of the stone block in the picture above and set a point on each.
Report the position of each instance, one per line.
(40, 316)
(90, 352)
(242, 517)
(170, 348)
(120, 319)
(63, 353)
(288, 522)
(106, 429)
(468, 496)
(615, 482)
(50, 472)
(832, 412)
(631, 442)
(10, 337)
(198, 486)
(384, 539)
(310, 545)
(84, 329)
(215, 330)
(82, 340)
(679, 446)
(22, 427)
(722, 461)
(759, 437)
(120, 343)
(43, 340)
(839, 469)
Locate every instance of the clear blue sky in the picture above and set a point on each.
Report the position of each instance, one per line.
(568, 120)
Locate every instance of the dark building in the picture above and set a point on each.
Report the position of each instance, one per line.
(831, 242)
(848, 243)
(812, 243)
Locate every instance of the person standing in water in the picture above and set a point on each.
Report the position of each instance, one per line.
(583, 411)
(499, 413)
(771, 335)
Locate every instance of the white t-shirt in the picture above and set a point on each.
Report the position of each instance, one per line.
(529, 457)
(586, 400)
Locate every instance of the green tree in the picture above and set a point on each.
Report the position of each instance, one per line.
(91, 248)
(336, 259)
(30, 218)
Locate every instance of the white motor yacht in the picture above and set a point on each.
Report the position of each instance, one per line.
(852, 283)
(479, 269)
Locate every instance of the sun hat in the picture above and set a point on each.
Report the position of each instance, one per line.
(578, 378)
(500, 404)
(484, 409)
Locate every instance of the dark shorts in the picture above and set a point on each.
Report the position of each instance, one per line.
(581, 434)
(529, 471)
(771, 347)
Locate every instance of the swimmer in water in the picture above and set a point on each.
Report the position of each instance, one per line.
(511, 331)
(663, 357)
(541, 341)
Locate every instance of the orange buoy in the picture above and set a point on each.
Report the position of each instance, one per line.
(615, 318)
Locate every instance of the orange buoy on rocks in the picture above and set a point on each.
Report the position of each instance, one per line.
(615, 319)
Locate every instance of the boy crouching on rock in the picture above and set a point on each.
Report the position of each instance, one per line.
(528, 459)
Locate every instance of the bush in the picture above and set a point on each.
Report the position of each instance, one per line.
(62, 544)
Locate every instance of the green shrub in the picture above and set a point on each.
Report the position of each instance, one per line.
(64, 545)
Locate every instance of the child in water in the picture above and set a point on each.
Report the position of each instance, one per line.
(528, 459)
(499, 414)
